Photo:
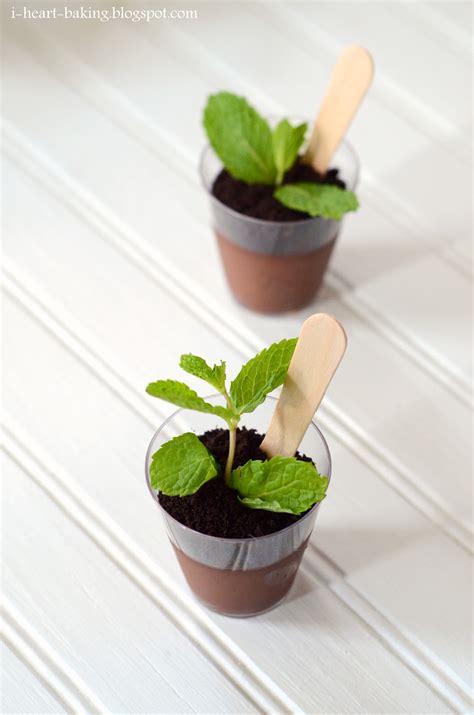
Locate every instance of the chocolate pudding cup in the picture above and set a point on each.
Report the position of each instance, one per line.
(239, 577)
(274, 266)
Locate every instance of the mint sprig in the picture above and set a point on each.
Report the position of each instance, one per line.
(324, 200)
(254, 153)
(181, 466)
(283, 484)
(259, 376)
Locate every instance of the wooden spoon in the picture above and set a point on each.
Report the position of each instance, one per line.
(349, 82)
(318, 352)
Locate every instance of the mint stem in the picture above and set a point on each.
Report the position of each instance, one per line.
(232, 435)
(231, 453)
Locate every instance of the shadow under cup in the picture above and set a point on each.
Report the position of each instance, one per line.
(239, 577)
(274, 266)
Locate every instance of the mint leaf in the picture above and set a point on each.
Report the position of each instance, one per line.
(323, 200)
(241, 138)
(282, 484)
(181, 466)
(180, 394)
(198, 367)
(286, 143)
(261, 375)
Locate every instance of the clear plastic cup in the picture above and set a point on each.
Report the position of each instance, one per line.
(239, 577)
(274, 266)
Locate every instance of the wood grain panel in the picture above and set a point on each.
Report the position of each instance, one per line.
(106, 629)
(22, 692)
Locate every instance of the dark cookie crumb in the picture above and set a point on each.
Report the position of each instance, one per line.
(257, 200)
(215, 509)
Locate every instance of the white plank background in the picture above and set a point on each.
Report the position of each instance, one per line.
(110, 273)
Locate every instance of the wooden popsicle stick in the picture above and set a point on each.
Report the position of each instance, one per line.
(350, 80)
(318, 352)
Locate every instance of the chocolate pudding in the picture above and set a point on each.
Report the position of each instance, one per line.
(240, 593)
(274, 284)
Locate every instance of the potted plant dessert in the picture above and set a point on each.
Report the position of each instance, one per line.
(239, 509)
(276, 209)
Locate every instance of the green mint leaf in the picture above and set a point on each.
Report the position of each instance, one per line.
(282, 484)
(198, 367)
(262, 374)
(181, 466)
(180, 394)
(286, 142)
(241, 138)
(323, 200)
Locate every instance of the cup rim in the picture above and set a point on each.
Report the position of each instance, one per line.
(265, 222)
(247, 539)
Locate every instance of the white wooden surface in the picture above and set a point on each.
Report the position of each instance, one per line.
(111, 272)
